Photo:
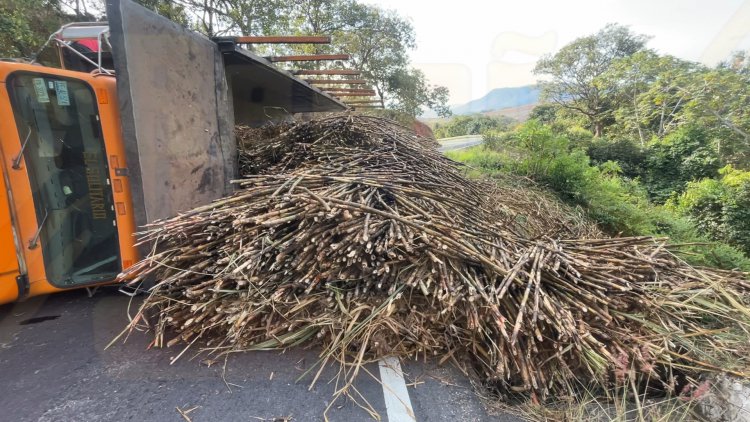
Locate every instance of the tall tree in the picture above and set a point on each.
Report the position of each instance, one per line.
(170, 9)
(575, 72)
(230, 17)
(25, 25)
(378, 41)
(721, 100)
(410, 93)
(254, 17)
(738, 62)
(650, 93)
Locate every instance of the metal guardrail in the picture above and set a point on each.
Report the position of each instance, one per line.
(456, 138)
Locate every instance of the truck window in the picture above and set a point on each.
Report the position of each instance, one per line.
(63, 150)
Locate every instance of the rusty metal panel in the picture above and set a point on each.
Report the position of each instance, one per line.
(176, 112)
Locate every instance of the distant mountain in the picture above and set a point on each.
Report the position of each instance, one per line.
(500, 98)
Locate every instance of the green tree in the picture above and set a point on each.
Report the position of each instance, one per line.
(738, 62)
(324, 17)
(409, 93)
(544, 113)
(628, 155)
(575, 73)
(379, 41)
(682, 156)
(25, 25)
(720, 208)
(170, 9)
(720, 99)
(230, 17)
(650, 93)
(475, 124)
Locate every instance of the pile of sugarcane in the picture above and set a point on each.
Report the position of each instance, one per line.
(351, 233)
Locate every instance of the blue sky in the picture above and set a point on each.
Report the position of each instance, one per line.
(473, 46)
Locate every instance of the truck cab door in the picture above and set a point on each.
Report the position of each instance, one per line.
(57, 167)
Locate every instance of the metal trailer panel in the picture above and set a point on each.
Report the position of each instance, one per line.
(261, 92)
(176, 113)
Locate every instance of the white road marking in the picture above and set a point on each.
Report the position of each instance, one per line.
(397, 403)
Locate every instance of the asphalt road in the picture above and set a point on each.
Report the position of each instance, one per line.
(459, 142)
(54, 367)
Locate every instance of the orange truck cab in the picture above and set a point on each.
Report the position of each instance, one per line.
(66, 216)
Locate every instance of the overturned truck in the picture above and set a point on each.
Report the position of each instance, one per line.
(133, 123)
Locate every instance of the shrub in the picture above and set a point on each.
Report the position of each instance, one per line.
(626, 153)
(720, 208)
(621, 205)
(495, 140)
(578, 136)
(471, 125)
(682, 156)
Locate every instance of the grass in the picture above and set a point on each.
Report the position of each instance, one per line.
(481, 162)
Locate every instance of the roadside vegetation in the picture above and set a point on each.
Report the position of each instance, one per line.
(646, 144)
(475, 124)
